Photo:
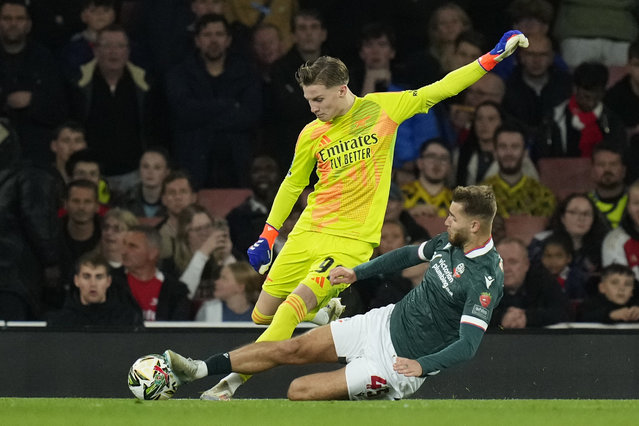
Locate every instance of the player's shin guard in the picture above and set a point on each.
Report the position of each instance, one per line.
(289, 314)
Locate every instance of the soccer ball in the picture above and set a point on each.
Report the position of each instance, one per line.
(151, 378)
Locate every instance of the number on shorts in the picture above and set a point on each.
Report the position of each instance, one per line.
(326, 263)
(377, 387)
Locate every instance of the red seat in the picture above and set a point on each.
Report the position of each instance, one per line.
(565, 175)
(524, 227)
(219, 202)
(433, 224)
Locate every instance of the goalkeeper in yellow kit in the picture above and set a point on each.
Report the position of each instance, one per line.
(351, 142)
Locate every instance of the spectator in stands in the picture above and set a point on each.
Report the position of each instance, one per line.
(582, 121)
(267, 47)
(178, 192)
(85, 164)
(248, 14)
(621, 245)
(476, 154)
(596, 30)
(446, 23)
(287, 111)
(376, 73)
(236, 292)
(395, 212)
(247, 220)
(429, 195)
(89, 305)
(517, 193)
(533, 18)
(114, 99)
(202, 248)
(376, 51)
(470, 45)
(96, 15)
(115, 223)
(623, 97)
(32, 95)
(67, 139)
(615, 301)
(159, 296)
(532, 298)
(144, 200)
(536, 86)
(80, 226)
(576, 218)
(608, 173)
(29, 232)
(556, 257)
(462, 109)
(215, 103)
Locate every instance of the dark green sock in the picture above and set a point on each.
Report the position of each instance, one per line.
(219, 364)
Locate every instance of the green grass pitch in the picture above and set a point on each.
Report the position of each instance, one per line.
(280, 412)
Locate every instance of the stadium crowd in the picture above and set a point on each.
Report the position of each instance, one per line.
(117, 114)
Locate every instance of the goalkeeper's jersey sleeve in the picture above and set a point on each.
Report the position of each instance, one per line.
(354, 158)
(458, 289)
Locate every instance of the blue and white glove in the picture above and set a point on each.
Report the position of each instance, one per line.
(260, 254)
(506, 47)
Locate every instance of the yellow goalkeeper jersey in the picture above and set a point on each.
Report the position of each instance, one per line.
(354, 157)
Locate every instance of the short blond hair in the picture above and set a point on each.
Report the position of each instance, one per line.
(325, 70)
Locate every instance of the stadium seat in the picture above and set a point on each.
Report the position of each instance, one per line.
(151, 221)
(219, 202)
(565, 175)
(524, 227)
(434, 225)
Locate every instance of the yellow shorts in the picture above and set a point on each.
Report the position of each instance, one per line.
(307, 258)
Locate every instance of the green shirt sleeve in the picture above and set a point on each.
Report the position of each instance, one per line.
(396, 260)
(461, 350)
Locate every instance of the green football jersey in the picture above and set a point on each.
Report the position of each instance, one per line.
(458, 288)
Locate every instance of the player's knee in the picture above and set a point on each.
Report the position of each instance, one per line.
(299, 390)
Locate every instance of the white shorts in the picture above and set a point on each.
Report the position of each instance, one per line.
(364, 343)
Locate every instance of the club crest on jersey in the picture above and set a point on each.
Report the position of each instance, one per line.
(458, 270)
(484, 299)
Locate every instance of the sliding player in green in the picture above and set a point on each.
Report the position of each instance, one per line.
(391, 350)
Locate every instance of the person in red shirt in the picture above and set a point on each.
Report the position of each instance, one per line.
(160, 297)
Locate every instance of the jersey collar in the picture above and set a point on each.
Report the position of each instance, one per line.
(479, 251)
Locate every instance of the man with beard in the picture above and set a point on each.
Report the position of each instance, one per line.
(517, 193)
(215, 105)
(608, 173)
(429, 195)
(391, 350)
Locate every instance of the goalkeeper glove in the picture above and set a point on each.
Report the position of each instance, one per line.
(260, 254)
(506, 47)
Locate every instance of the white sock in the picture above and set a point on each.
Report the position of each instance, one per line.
(202, 370)
(321, 317)
(234, 380)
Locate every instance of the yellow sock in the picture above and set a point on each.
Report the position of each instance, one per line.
(259, 318)
(289, 314)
